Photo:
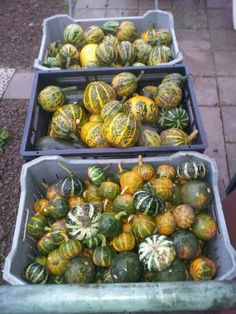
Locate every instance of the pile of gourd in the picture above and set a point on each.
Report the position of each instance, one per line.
(110, 45)
(143, 224)
(113, 115)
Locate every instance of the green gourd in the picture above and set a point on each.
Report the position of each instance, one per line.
(58, 207)
(103, 254)
(36, 225)
(36, 273)
(80, 270)
(109, 223)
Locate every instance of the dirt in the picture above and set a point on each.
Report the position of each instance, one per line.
(21, 29)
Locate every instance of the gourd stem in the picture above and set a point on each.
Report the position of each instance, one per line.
(140, 163)
(66, 169)
(120, 168)
(130, 218)
(139, 77)
(66, 90)
(67, 62)
(74, 137)
(124, 190)
(103, 239)
(105, 204)
(65, 236)
(45, 185)
(120, 214)
(47, 229)
(191, 137)
(123, 99)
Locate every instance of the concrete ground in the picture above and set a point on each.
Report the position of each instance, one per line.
(206, 37)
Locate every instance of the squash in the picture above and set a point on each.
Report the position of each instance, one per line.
(165, 223)
(149, 138)
(142, 50)
(109, 223)
(58, 225)
(163, 187)
(148, 202)
(56, 265)
(166, 171)
(52, 62)
(157, 252)
(96, 95)
(74, 34)
(80, 270)
(82, 221)
(151, 35)
(198, 194)
(36, 225)
(67, 121)
(111, 39)
(144, 109)
(88, 54)
(175, 272)
(93, 35)
(127, 31)
(144, 170)
(91, 64)
(175, 78)
(177, 137)
(92, 135)
(109, 190)
(70, 249)
(184, 216)
(112, 108)
(138, 64)
(205, 227)
(107, 54)
(125, 83)
(95, 118)
(126, 52)
(174, 118)
(96, 174)
(58, 207)
(110, 27)
(191, 169)
(168, 95)
(53, 48)
(142, 225)
(202, 268)
(74, 67)
(41, 259)
(52, 143)
(123, 202)
(40, 206)
(117, 175)
(36, 273)
(148, 91)
(75, 200)
(159, 54)
(126, 267)
(58, 280)
(46, 244)
(92, 193)
(131, 182)
(164, 36)
(186, 244)
(103, 254)
(121, 130)
(93, 242)
(68, 55)
(124, 242)
(176, 196)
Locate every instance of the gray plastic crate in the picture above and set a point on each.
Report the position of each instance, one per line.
(53, 28)
(24, 247)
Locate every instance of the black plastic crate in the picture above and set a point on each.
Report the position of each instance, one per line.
(38, 120)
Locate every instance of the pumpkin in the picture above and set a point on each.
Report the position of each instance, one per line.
(82, 221)
(149, 137)
(151, 35)
(126, 52)
(166, 171)
(74, 34)
(165, 223)
(75, 200)
(40, 206)
(103, 254)
(157, 252)
(124, 242)
(96, 174)
(205, 227)
(191, 169)
(125, 83)
(163, 187)
(54, 48)
(158, 55)
(112, 108)
(93, 35)
(164, 36)
(96, 95)
(70, 249)
(123, 202)
(177, 137)
(142, 225)
(202, 268)
(58, 207)
(126, 267)
(56, 265)
(127, 31)
(80, 270)
(184, 216)
(58, 225)
(67, 121)
(198, 194)
(88, 54)
(92, 193)
(131, 181)
(175, 272)
(95, 118)
(107, 54)
(68, 55)
(148, 202)
(120, 170)
(168, 95)
(109, 223)
(186, 244)
(93, 242)
(175, 78)
(142, 50)
(46, 244)
(144, 170)
(121, 130)
(109, 190)
(144, 109)
(174, 118)
(110, 27)
(36, 225)
(36, 273)
(92, 135)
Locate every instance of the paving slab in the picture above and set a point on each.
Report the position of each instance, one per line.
(191, 18)
(219, 3)
(20, 86)
(191, 39)
(220, 18)
(231, 149)
(184, 5)
(89, 14)
(123, 4)
(122, 12)
(223, 39)
(5, 77)
(216, 145)
(206, 91)
(90, 4)
(229, 118)
(227, 90)
(225, 62)
(200, 62)
(150, 4)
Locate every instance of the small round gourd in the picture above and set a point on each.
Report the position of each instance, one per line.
(186, 244)
(110, 27)
(40, 206)
(175, 272)
(127, 31)
(70, 249)
(92, 193)
(93, 35)
(80, 270)
(124, 242)
(151, 35)
(165, 223)
(184, 216)
(93, 242)
(163, 187)
(91, 134)
(142, 50)
(168, 96)
(110, 224)
(144, 170)
(58, 225)
(56, 265)
(125, 83)
(191, 170)
(177, 137)
(58, 207)
(68, 55)
(73, 34)
(54, 48)
(205, 227)
(142, 225)
(123, 202)
(36, 273)
(112, 108)
(103, 254)
(166, 171)
(159, 54)
(75, 200)
(109, 190)
(174, 118)
(107, 54)
(149, 137)
(41, 259)
(148, 202)
(120, 170)
(111, 39)
(96, 174)
(131, 181)
(202, 268)
(164, 36)
(36, 225)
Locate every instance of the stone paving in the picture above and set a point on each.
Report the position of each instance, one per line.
(205, 35)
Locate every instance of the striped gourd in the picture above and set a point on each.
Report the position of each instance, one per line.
(106, 54)
(58, 207)
(110, 27)
(127, 53)
(92, 135)
(164, 36)
(124, 242)
(103, 254)
(176, 78)
(142, 50)
(142, 225)
(70, 249)
(121, 130)
(191, 169)
(36, 273)
(148, 203)
(93, 35)
(96, 95)
(96, 174)
(41, 259)
(68, 55)
(54, 48)
(74, 67)
(52, 62)
(168, 95)
(138, 64)
(46, 244)
(56, 265)
(151, 35)
(174, 118)
(159, 54)
(109, 190)
(143, 169)
(143, 108)
(36, 225)
(67, 121)
(166, 171)
(127, 31)
(177, 137)
(111, 39)
(149, 137)
(112, 108)
(74, 34)
(126, 83)
(92, 242)
(163, 187)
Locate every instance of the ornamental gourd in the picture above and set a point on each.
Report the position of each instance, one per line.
(148, 202)
(124, 242)
(109, 190)
(175, 78)
(127, 31)
(110, 27)
(166, 171)
(174, 118)
(110, 224)
(41, 259)
(142, 225)
(164, 36)
(202, 268)
(75, 200)
(36, 273)
(144, 170)
(184, 216)
(168, 95)
(112, 108)
(54, 48)
(80, 270)
(192, 169)
(58, 207)
(142, 50)
(123, 202)
(56, 265)
(93, 242)
(204, 227)
(125, 83)
(149, 138)
(96, 174)
(91, 134)
(163, 187)
(93, 35)
(40, 206)
(158, 55)
(186, 244)
(49, 242)
(74, 34)
(175, 272)
(131, 181)
(120, 170)
(165, 223)
(36, 225)
(70, 249)
(151, 35)
(88, 54)
(107, 54)
(68, 55)
(103, 254)
(127, 53)
(177, 137)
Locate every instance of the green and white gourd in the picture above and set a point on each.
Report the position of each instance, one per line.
(191, 170)
(36, 273)
(96, 174)
(148, 203)
(107, 54)
(174, 118)
(157, 252)
(74, 34)
(93, 242)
